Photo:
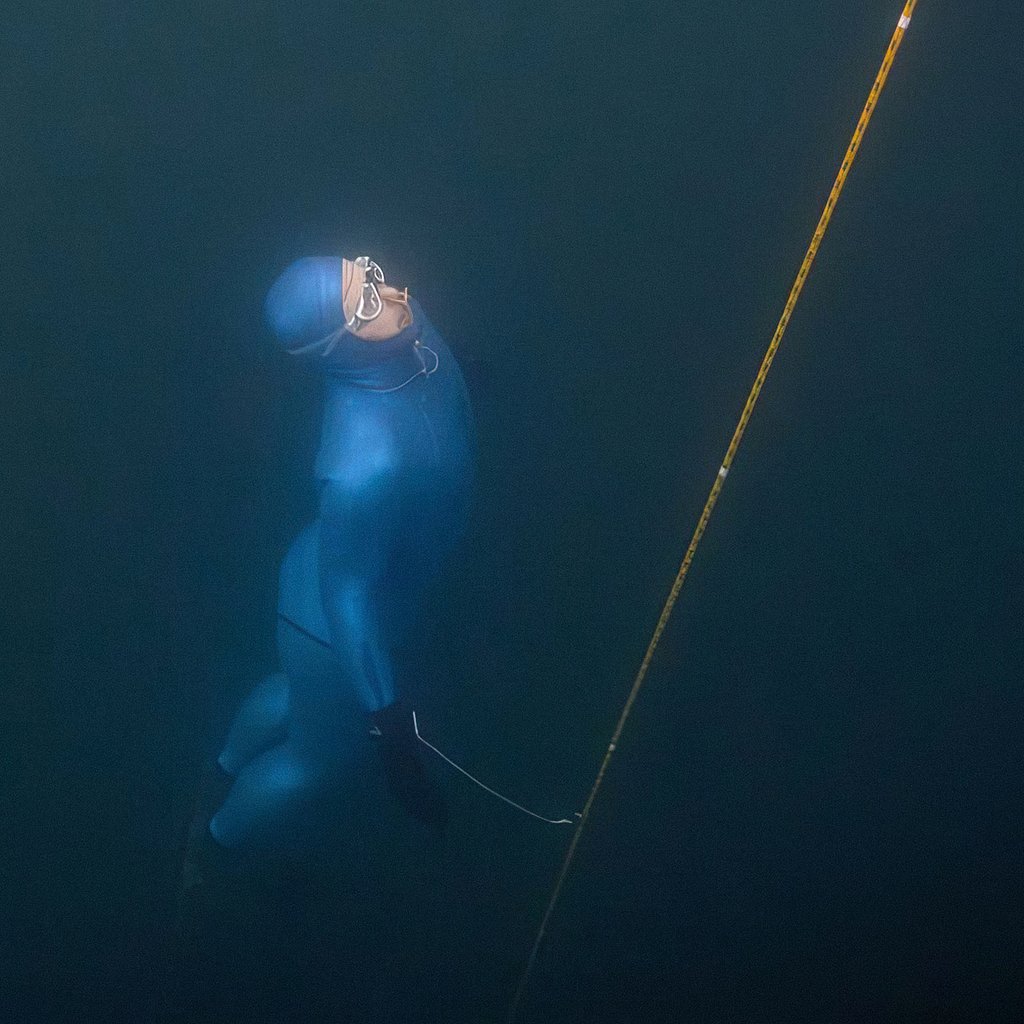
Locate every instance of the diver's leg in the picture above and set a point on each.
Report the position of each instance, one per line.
(325, 721)
(278, 799)
(260, 723)
(266, 805)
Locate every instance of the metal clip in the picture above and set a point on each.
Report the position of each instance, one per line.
(370, 305)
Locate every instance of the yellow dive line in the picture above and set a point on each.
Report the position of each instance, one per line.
(741, 426)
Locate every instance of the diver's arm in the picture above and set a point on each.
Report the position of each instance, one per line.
(353, 558)
(351, 566)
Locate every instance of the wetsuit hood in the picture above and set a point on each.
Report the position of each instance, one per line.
(307, 310)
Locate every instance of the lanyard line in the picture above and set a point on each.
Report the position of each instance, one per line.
(493, 792)
(741, 426)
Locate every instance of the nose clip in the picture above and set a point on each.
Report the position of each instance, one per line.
(370, 305)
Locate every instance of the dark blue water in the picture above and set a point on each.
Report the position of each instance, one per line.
(815, 813)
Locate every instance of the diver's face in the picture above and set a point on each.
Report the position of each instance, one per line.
(373, 310)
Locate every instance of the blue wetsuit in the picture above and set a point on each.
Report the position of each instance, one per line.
(395, 467)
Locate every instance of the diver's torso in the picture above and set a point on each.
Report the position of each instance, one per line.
(397, 435)
(412, 424)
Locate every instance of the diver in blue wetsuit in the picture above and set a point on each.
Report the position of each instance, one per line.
(394, 469)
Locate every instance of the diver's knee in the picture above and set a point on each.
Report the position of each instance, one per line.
(216, 831)
(270, 797)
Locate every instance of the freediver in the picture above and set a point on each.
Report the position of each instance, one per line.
(394, 471)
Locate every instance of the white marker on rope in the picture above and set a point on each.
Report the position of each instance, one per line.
(550, 821)
(903, 22)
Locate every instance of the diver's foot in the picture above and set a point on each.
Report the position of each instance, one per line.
(406, 777)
